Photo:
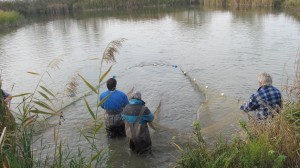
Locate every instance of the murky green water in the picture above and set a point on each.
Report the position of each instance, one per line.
(223, 50)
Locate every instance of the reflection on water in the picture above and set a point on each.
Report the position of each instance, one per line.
(223, 50)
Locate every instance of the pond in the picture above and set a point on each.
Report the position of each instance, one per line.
(221, 51)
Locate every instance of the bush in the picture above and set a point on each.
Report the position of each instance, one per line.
(9, 17)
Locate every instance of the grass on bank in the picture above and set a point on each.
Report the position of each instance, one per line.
(274, 143)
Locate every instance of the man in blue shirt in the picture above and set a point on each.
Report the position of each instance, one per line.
(116, 101)
(266, 101)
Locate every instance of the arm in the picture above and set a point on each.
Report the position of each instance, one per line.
(251, 105)
(148, 117)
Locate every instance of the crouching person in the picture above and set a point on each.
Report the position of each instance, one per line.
(136, 115)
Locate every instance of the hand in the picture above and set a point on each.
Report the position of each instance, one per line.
(8, 99)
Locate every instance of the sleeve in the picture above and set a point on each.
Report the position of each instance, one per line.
(148, 117)
(251, 105)
(126, 101)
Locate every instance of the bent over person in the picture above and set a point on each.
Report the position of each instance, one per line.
(116, 101)
(6, 117)
(267, 99)
(136, 115)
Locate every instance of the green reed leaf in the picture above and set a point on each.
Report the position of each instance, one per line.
(48, 91)
(44, 105)
(89, 108)
(88, 84)
(98, 128)
(96, 155)
(28, 121)
(36, 111)
(20, 95)
(87, 139)
(45, 96)
(33, 73)
(105, 74)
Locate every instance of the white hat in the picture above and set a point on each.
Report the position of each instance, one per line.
(137, 95)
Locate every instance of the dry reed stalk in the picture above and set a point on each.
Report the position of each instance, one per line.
(2, 135)
(279, 133)
(112, 49)
(72, 86)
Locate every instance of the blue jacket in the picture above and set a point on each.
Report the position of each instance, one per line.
(137, 133)
(116, 101)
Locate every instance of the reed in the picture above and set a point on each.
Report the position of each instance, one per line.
(242, 3)
(16, 149)
(291, 4)
(54, 7)
(272, 144)
(254, 3)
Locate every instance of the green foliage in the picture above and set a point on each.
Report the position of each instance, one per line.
(291, 3)
(260, 150)
(257, 153)
(54, 7)
(292, 114)
(9, 17)
(254, 3)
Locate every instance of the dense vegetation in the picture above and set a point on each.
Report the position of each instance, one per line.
(254, 3)
(69, 6)
(9, 18)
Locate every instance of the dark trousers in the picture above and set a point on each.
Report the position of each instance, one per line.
(116, 131)
(115, 126)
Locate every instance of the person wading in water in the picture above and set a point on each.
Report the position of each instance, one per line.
(113, 106)
(136, 115)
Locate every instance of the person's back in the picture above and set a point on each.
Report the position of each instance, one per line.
(266, 101)
(136, 115)
(113, 105)
(115, 102)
